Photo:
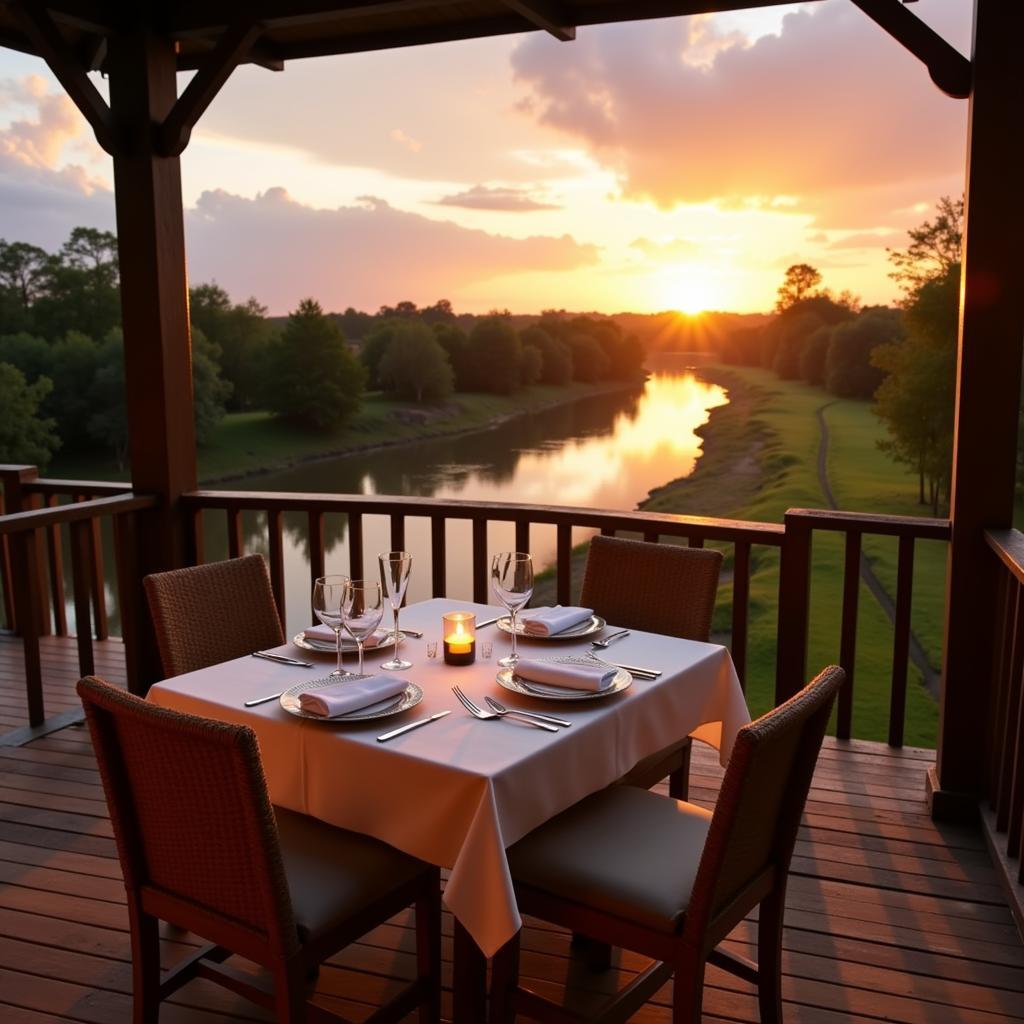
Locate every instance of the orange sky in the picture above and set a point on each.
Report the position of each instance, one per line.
(682, 163)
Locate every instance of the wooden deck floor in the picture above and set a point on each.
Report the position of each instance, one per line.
(889, 916)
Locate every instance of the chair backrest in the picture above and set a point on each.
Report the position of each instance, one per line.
(207, 614)
(192, 818)
(752, 833)
(660, 588)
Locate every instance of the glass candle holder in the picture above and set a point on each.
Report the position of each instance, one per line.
(458, 630)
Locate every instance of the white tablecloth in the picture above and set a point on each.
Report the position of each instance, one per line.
(459, 791)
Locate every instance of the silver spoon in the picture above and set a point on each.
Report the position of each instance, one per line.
(611, 638)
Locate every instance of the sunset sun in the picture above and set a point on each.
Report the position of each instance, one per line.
(689, 288)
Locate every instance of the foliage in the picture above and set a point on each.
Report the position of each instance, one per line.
(849, 371)
(813, 356)
(589, 362)
(377, 342)
(210, 392)
(25, 435)
(496, 353)
(934, 248)
(799, 283)
(415, 366)
(455, 342)
(318, 383)
(556, 359)
(790, 335)
(108, 423)
(531, 365)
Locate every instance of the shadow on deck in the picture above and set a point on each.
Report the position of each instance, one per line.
(889, 916)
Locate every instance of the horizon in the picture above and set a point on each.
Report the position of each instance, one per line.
(533, 174)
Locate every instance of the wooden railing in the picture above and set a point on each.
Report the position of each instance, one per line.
(33, 570)
(1006, 710)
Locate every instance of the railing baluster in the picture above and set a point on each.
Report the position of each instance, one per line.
(480, 566)
(397, 532)
(81, 581)
(275, 548)
(1015, 755)
(848, 634)
(564, 563)
(55, 554)
(126, 556)
(794, 609)
(523, 535)
(438, 568)
(25, 561)
(195, 542)
(315, 532)
(1013, 699)
(695, 541)
(355, 545)
(901, 640)
(740, 609)
(6, 573)
(96, 574)
(236, 542)
(1002, 638)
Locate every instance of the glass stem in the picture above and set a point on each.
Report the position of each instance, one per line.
(337, 644)
(359, 644)
(515, 634)
(397, 634)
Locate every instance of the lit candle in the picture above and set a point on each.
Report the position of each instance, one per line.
(459, 641)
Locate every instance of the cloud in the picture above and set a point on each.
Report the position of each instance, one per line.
(671, 249)
(406, 141)
(364, 255)
(480, 197)
(871, 240)
(828, 109)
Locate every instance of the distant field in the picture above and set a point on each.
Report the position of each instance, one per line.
(760, 458)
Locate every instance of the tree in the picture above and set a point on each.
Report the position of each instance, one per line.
(799, 283)
(108, 424)
(23, 272)
(210, 392)
(589, 362)
(415, 366)
(496, 352)
(455, 342)
(556, 359)
(318, 383)
(25, 436)
(934, 248)
(531, 365)
(377, 342)
(813, 356)
(849, 371)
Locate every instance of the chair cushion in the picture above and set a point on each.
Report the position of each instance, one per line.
(333, 874)
(626, 852)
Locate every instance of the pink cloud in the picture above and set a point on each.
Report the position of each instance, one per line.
(830, 108)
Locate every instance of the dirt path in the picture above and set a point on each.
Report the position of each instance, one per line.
(867, 574)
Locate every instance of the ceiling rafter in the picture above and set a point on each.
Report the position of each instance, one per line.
(949, 69)
(551, 17)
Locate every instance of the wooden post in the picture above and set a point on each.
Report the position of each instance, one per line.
(17, 499)
(154, 303)
(987, 400)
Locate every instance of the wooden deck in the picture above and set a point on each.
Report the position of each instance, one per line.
(889, 917)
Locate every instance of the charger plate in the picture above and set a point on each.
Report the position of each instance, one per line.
(508, 679)
(411, 696)
(588, 627)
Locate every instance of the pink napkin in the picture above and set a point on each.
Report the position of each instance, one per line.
(350, 695)
(568, 675)
(550, 621)
(326, 635)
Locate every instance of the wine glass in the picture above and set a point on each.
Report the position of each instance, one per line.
(395, 567)
(328, 592)
(361, 609)
(512, 581)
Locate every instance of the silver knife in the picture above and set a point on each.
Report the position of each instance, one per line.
(384, 737)
(261, 700)
(281, 659)
(650, 673)
(489, 622)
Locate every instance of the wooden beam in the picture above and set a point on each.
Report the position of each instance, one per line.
(543, 14)
(990, 349)
(62, 60)
(230, 51)
(949, 69)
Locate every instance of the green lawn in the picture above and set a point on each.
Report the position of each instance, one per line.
(776, 422)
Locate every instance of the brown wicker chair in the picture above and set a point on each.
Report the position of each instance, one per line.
(660, 588)
(201, 847)
(207, 614)
(667, 879)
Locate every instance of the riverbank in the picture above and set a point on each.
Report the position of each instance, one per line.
(760, 456)
(249, 443)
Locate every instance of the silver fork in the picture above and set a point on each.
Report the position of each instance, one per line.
(611, 638)
(500, 709)
(478, 712)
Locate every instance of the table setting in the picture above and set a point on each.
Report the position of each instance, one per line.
(454, 757)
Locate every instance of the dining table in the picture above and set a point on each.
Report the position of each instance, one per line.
(459, 791)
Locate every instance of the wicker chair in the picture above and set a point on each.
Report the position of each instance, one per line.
(201, 847)
(660, 588)
(667, 879)
(207, 614)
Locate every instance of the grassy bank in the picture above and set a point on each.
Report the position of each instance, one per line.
(760, 458)
(255, 442)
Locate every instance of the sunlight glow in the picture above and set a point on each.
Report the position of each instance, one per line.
(689, 288)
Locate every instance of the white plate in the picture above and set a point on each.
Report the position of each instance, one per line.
(348, 645)
(382, 709)
(588, 627)
(543, 691)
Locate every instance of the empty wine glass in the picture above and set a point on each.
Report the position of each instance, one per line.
(328, 592)
(512, 581)
(395, 567)
(361, 609)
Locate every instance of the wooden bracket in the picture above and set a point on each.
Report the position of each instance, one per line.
(546, 14)
(231, 49)
(949, 69)
(69, 70)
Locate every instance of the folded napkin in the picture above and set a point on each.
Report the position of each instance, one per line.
(549, 621)
(572, 675)
(353, 695)
(326, 635)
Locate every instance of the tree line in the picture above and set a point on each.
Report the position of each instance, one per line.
(62, 354)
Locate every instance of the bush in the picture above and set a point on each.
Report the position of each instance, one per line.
(415, 366)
